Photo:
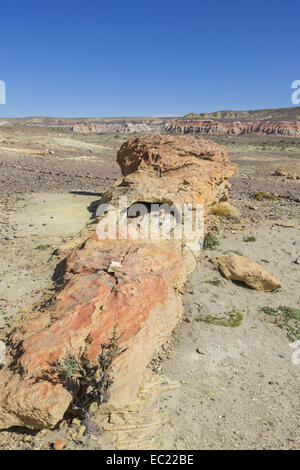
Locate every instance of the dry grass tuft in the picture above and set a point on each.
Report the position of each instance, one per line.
(224, 209)
(261, 195)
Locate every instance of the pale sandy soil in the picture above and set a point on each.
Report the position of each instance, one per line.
(242, 390)
(38, 225)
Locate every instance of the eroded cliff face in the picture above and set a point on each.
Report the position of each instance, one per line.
(105, 127)
(233, 128)
(142, 297)
(190, 126)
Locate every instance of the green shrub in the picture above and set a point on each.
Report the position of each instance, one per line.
(287, 318)
(250, 238)
(210, 241)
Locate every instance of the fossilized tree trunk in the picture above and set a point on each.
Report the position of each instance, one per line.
(143, 297)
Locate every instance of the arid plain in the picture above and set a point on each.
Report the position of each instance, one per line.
(213, 384)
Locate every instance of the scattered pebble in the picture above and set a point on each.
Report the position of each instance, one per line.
(200, 351)
(59, 444)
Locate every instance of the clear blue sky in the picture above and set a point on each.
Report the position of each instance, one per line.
(129, 58)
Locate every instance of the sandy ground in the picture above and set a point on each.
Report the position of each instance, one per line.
(33, 227)
(240, 389)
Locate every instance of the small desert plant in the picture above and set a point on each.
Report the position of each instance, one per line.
(224, 209)
(210, 241)
(88, 382)
(269, 310)
(287, 318)
(290, 313)
(232, 319)
(215, 282)
(250, 238)
(260, 195)
(237, 252)
(42, 247)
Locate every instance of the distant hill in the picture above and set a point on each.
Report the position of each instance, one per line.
(277, 114)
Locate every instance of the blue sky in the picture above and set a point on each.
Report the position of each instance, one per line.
(147, 58)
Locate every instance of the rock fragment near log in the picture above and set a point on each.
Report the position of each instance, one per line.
(242, 269)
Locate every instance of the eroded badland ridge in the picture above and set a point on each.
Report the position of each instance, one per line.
(282, 121)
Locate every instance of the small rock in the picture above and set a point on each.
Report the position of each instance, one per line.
(76, 421)
(187, 320)
(114, 267)
(284, 224)
(81, 431)
(59, 444)
(240, 268)
(200, 351)
(94, 407)
(92, 428)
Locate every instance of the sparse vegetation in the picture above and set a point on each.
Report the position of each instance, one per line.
(269, 310)
(237, 252)
(42, 247)
(232, 319)
(215, 282)
(88, 382)
(224, 209)
(250, 238)
(210, 241)
(261, 195)
(287, 318)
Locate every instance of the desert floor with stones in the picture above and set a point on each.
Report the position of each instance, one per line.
(210, 386)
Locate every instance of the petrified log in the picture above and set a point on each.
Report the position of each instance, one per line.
(142, 296)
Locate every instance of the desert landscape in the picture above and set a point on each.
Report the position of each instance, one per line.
(207, 351)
